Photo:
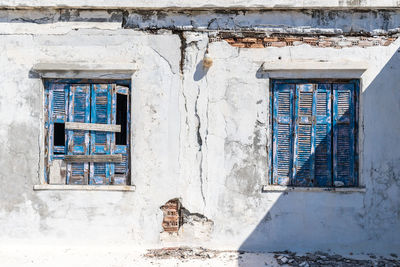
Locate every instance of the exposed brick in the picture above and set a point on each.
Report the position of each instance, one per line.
(230, 40)
(310, 39)
(387, 42)
(249, 40)
(241, 45)
(278, 44)
(256, 46)
(292, 39)
(171, 211)
(322, 41)
(270, 39)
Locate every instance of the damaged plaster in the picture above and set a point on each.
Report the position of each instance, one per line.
(199, 134)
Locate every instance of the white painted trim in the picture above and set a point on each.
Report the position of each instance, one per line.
(278, 188)
(84, 187)
(314, 65)
(84, 70)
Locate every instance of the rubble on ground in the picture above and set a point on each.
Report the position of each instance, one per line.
(324, 259)
(285, 258)
(182, 253)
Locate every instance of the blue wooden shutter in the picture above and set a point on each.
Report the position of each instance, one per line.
(122, 169)
(343, 135)
(103, 112)
(303, 171)
(58, 102)
(323, 134)
(78, 141)
(282, 133)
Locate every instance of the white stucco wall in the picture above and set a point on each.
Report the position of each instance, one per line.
(175, 104)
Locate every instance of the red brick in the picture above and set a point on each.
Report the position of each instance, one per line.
(249, 40)
(325, 44)
(230, 40)
(256, 46)
(278, 44)
(270, 39)
(241, 45)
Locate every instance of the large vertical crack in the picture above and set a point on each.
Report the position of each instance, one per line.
(199, 137)
(200, 143)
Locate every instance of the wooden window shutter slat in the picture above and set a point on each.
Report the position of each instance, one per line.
(323, 135)
(282, 133)
(58, 103)
(343, 134)
(303, 170)
(122, 169)
(78, 141)
(102, 112)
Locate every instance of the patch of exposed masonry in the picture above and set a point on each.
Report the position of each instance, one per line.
(177, 217)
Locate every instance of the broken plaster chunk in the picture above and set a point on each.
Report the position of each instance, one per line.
(284, 260)
(179, 224)
(57, 172)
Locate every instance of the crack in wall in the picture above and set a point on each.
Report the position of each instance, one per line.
(182, 48)
(200, 143)
(166, 60)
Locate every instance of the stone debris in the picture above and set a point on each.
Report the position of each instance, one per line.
(182, 253)
(288, 258)
(285, 258)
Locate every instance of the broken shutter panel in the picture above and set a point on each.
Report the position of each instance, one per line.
(323, 133)
(343, 134)
(102, 112)
(122, 138)
(303, 171)
(58, 101)
(282, 133)
(77, 140)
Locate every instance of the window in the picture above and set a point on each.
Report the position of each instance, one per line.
(87, 128)
(314, 130)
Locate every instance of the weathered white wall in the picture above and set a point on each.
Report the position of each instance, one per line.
(200, 136)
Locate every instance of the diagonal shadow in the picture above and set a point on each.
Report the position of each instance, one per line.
(337, 222)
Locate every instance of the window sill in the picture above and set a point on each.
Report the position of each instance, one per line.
(84, 187)
(278, 188)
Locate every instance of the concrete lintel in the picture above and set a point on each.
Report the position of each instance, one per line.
(197, 4)
(83, 70)
(314, 65)
(84, 187)
(278, 188)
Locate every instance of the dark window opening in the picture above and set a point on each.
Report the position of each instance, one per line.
(122, 117)
(59, 134)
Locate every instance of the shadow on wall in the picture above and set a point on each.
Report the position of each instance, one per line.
(347, 222)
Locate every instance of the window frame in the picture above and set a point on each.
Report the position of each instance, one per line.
(48, 137)
(276, 187)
